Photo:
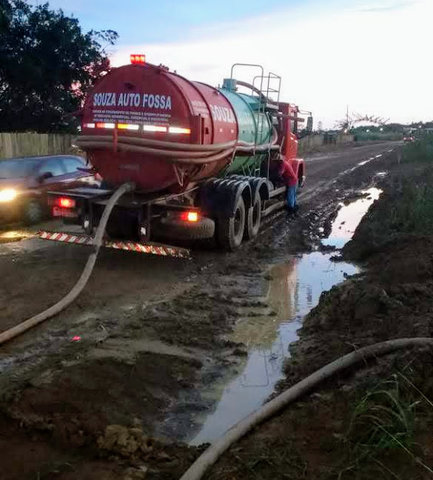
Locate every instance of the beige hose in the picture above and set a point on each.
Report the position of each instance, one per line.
(78, 287)
(160, 143)
(176, 152)
(211, 455)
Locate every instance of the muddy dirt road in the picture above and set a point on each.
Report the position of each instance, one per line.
(158, 344)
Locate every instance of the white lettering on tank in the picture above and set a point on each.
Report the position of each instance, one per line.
(104, 99)
(130, 99)
(222, 114)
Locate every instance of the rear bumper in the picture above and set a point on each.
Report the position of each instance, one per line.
(149, 248)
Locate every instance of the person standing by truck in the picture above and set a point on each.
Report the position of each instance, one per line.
(289, 178)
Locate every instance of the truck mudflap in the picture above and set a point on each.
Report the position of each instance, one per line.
(149, 248)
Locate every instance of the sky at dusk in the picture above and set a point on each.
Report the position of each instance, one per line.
(372, 55)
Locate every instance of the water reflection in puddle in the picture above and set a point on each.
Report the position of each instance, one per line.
(348, 219)
(293, 290)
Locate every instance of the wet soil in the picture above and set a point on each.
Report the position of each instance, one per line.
(390, 298)
(148, 342)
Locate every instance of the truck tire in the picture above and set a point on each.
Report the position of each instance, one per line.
(230, 230)
(33, 212)
(178, 229)
(254, 218)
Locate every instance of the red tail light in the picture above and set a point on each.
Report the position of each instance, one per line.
(191, 216)
(66, 202)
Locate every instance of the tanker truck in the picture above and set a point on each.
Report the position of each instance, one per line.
(200, 157)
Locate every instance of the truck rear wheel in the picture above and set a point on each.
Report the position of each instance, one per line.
(203, 229)
(230, 230)
(33, 212)
(254, 218)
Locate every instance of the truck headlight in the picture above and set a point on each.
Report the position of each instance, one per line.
(8, 195)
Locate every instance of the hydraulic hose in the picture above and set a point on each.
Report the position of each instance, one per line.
(211, 455)
(81, 283)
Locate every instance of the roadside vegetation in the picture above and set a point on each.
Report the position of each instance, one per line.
(373, 422)
(409, 203)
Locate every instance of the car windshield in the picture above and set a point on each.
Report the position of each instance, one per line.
(16, 168)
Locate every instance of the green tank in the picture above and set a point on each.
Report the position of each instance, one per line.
(255, 126)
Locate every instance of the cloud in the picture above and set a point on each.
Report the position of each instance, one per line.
(386, 5)
(374, 61)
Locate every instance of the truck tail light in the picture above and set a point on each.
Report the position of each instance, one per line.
(190, 216)
(105, 125)
(65, 202)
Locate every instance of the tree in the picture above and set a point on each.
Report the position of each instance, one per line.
(47, 64)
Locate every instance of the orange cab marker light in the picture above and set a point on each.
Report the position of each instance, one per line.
(89, 125)
(154, 128)
(137, 59)
(65, 202)
(127, 126)
(105, 125)
(179, 130)
(189, 216)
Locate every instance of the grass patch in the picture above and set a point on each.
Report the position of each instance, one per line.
(412, 210)
(419, 151)
(381, 438)
(405, 209)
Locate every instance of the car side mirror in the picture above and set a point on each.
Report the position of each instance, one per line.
(45, 176)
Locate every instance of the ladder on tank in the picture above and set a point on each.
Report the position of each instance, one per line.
(267, 89)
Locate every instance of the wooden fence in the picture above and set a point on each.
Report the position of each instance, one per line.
(28, 144)
(313, 142)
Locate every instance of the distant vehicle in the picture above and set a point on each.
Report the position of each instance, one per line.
(409, 139)
(24, 183)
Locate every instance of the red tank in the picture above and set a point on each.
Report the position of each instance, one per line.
(144, 124)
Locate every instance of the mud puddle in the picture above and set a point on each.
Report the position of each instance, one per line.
(294, 288)
(348, 218)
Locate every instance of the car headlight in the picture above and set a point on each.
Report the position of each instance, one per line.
(8, 195)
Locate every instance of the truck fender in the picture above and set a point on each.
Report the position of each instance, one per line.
(300, 171)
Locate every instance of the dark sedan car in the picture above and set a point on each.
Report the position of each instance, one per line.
(24, 183)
